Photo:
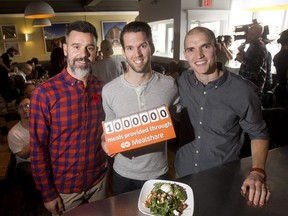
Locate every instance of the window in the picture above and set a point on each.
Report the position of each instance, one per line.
(163, 34)
(275, 27)
(216, 20)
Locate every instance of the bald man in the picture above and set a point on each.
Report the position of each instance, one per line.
(25, 71)
(109, 67)
(254, 60)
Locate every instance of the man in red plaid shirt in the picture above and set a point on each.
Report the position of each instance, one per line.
(68, 163)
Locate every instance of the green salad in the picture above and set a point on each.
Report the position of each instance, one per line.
(166, 199)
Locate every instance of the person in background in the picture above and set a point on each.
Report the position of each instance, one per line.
(99, 55)
(5, 57)
(6, 89)
(39, 70)
(108, 68)
(224, 54)
(28, 89)
(57, 61)
(159, 68)
(19, 80)
(14, 68)
(18, 84)
(173, 70)
(25, 72)
(68, 163)
(219, 106)
(124, 66)
(138, 89)
(280, 61)
(33, 74)
(18, 141)
(254, 60)
(18, 138)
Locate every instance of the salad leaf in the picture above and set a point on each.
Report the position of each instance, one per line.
(167, 199)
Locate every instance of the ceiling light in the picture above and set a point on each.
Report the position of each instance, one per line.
(38, 10)
(260, 5)
(41, 22)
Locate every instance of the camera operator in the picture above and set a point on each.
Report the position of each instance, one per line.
(281, 65)
(224, 54)
(254, 60)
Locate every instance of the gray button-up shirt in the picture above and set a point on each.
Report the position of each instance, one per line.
(219, 113)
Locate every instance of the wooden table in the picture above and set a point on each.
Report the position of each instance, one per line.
(216, 192)
(5, 159)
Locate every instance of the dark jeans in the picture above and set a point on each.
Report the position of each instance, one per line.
(122, 184)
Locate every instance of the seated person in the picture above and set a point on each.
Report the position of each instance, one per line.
(25, 71)
(18, 138)
(18, 83)
(27, 89)
(39, 70)
(173, 69)
(19, 143)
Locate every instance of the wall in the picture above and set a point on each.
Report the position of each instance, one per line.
(155, 10)
(35, 48)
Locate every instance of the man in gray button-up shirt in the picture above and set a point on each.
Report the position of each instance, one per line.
(220, 106)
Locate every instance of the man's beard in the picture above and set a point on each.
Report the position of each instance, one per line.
(80, 72)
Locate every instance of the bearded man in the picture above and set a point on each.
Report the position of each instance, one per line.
(68, 163)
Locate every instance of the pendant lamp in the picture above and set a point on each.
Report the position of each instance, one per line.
(41, 22)
(38, 10)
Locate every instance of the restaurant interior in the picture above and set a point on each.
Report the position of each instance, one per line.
(35, 37)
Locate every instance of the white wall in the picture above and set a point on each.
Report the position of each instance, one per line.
(156, 10)
(152, 10)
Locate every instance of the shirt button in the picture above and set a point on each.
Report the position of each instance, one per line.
(216, 87)
(204, 92)
(199, 137)
(197, 152)
(196, 164)
(200, 123)
(201, 108)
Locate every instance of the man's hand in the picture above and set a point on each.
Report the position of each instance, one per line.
(104, 146)
(255, 189)
(55, 206)
(240, 56)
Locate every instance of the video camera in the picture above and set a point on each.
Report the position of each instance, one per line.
(220, 39)
(241, 30)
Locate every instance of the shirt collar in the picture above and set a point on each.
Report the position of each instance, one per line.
(216, 83)
(72, 80)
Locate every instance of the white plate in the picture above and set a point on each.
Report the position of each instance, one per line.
(149, 185)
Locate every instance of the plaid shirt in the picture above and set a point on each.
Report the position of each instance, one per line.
(65, 129)
(254, 65)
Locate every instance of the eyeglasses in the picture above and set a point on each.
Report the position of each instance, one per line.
(25, 106)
